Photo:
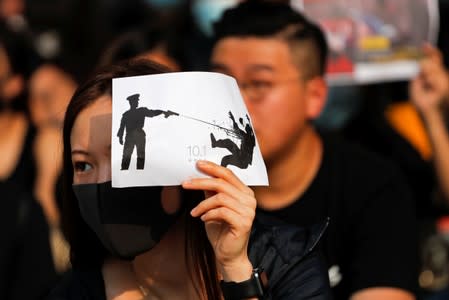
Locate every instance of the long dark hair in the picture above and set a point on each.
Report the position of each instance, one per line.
(86, 249)
(22, 59)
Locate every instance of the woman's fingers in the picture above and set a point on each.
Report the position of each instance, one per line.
(217, 185)
(228, 212)
(230, 217)
(223, 200)
(224, 193)
(226, 174)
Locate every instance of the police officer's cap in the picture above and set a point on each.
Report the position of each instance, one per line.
(134, 97)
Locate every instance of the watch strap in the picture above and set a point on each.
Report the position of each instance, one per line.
(253, 287)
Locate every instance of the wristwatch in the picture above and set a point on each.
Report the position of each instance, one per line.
(253, 287)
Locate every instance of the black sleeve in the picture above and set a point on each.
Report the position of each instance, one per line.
(33, 270)
(79, 285)
(307, 279)
(63, 289)
(384, 237)
(150, 113)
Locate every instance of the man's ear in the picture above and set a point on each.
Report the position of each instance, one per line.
(13, 86)
(316, 93)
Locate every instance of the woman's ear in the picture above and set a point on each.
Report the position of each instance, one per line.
(13, 86)
(316, 92)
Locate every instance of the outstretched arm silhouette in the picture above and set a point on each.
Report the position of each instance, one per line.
(156, 112)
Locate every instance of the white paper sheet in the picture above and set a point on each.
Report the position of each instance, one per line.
(201, 104)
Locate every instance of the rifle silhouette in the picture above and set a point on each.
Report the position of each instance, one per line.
(228, 131)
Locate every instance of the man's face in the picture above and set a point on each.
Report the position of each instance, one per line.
(271, 85)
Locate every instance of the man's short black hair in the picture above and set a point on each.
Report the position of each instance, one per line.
(273, 19)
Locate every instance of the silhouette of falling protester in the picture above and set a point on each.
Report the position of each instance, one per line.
(133, 120)
(239, 157)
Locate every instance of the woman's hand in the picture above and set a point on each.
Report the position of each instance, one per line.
(228, 213)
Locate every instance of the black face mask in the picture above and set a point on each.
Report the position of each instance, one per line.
(128, 221)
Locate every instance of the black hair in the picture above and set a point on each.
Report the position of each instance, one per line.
(274, 19)
(22, 56)
(135, 42)
(22, 59)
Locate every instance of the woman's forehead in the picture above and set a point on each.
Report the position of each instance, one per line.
(93, 125)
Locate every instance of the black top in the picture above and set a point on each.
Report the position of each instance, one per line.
(371, 240)
(286, 253)
(26, 264)
(25, 172)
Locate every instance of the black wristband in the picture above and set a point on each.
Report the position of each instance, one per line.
(253, 287)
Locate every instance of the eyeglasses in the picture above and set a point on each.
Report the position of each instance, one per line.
(261, 88)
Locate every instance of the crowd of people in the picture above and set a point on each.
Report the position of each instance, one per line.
(341, 218)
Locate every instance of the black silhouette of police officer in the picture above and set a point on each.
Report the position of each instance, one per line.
(239, 157)
(133, 121)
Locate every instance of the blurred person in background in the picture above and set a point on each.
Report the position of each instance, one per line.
(429, 92)
(12, 14)
(50, 90)
(150, 42)
(16, 65)
(278, 59)
(26, 266)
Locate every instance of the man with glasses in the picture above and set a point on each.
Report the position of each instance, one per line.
(278, 58)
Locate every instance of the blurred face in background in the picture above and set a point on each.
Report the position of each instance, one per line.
(160, 56)
(5, 72)
(9, 8)
(11, 85)
(279, 100)
(50, 92)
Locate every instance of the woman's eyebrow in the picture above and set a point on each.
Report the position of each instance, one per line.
(77, 151)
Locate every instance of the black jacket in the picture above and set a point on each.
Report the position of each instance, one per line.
(287, 254)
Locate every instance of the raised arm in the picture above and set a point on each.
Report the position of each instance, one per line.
(228, 213)
(235, 126)
(429, 92)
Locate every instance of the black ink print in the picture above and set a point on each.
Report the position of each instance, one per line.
(133, 121)
(240, 157)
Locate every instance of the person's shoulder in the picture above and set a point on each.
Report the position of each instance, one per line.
(287, 243)
(80, 285)
(356, 159)
(143, 109)
(348, 149)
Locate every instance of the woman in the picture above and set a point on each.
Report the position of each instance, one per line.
(25, 254)
(16, 65)
(161, 243)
